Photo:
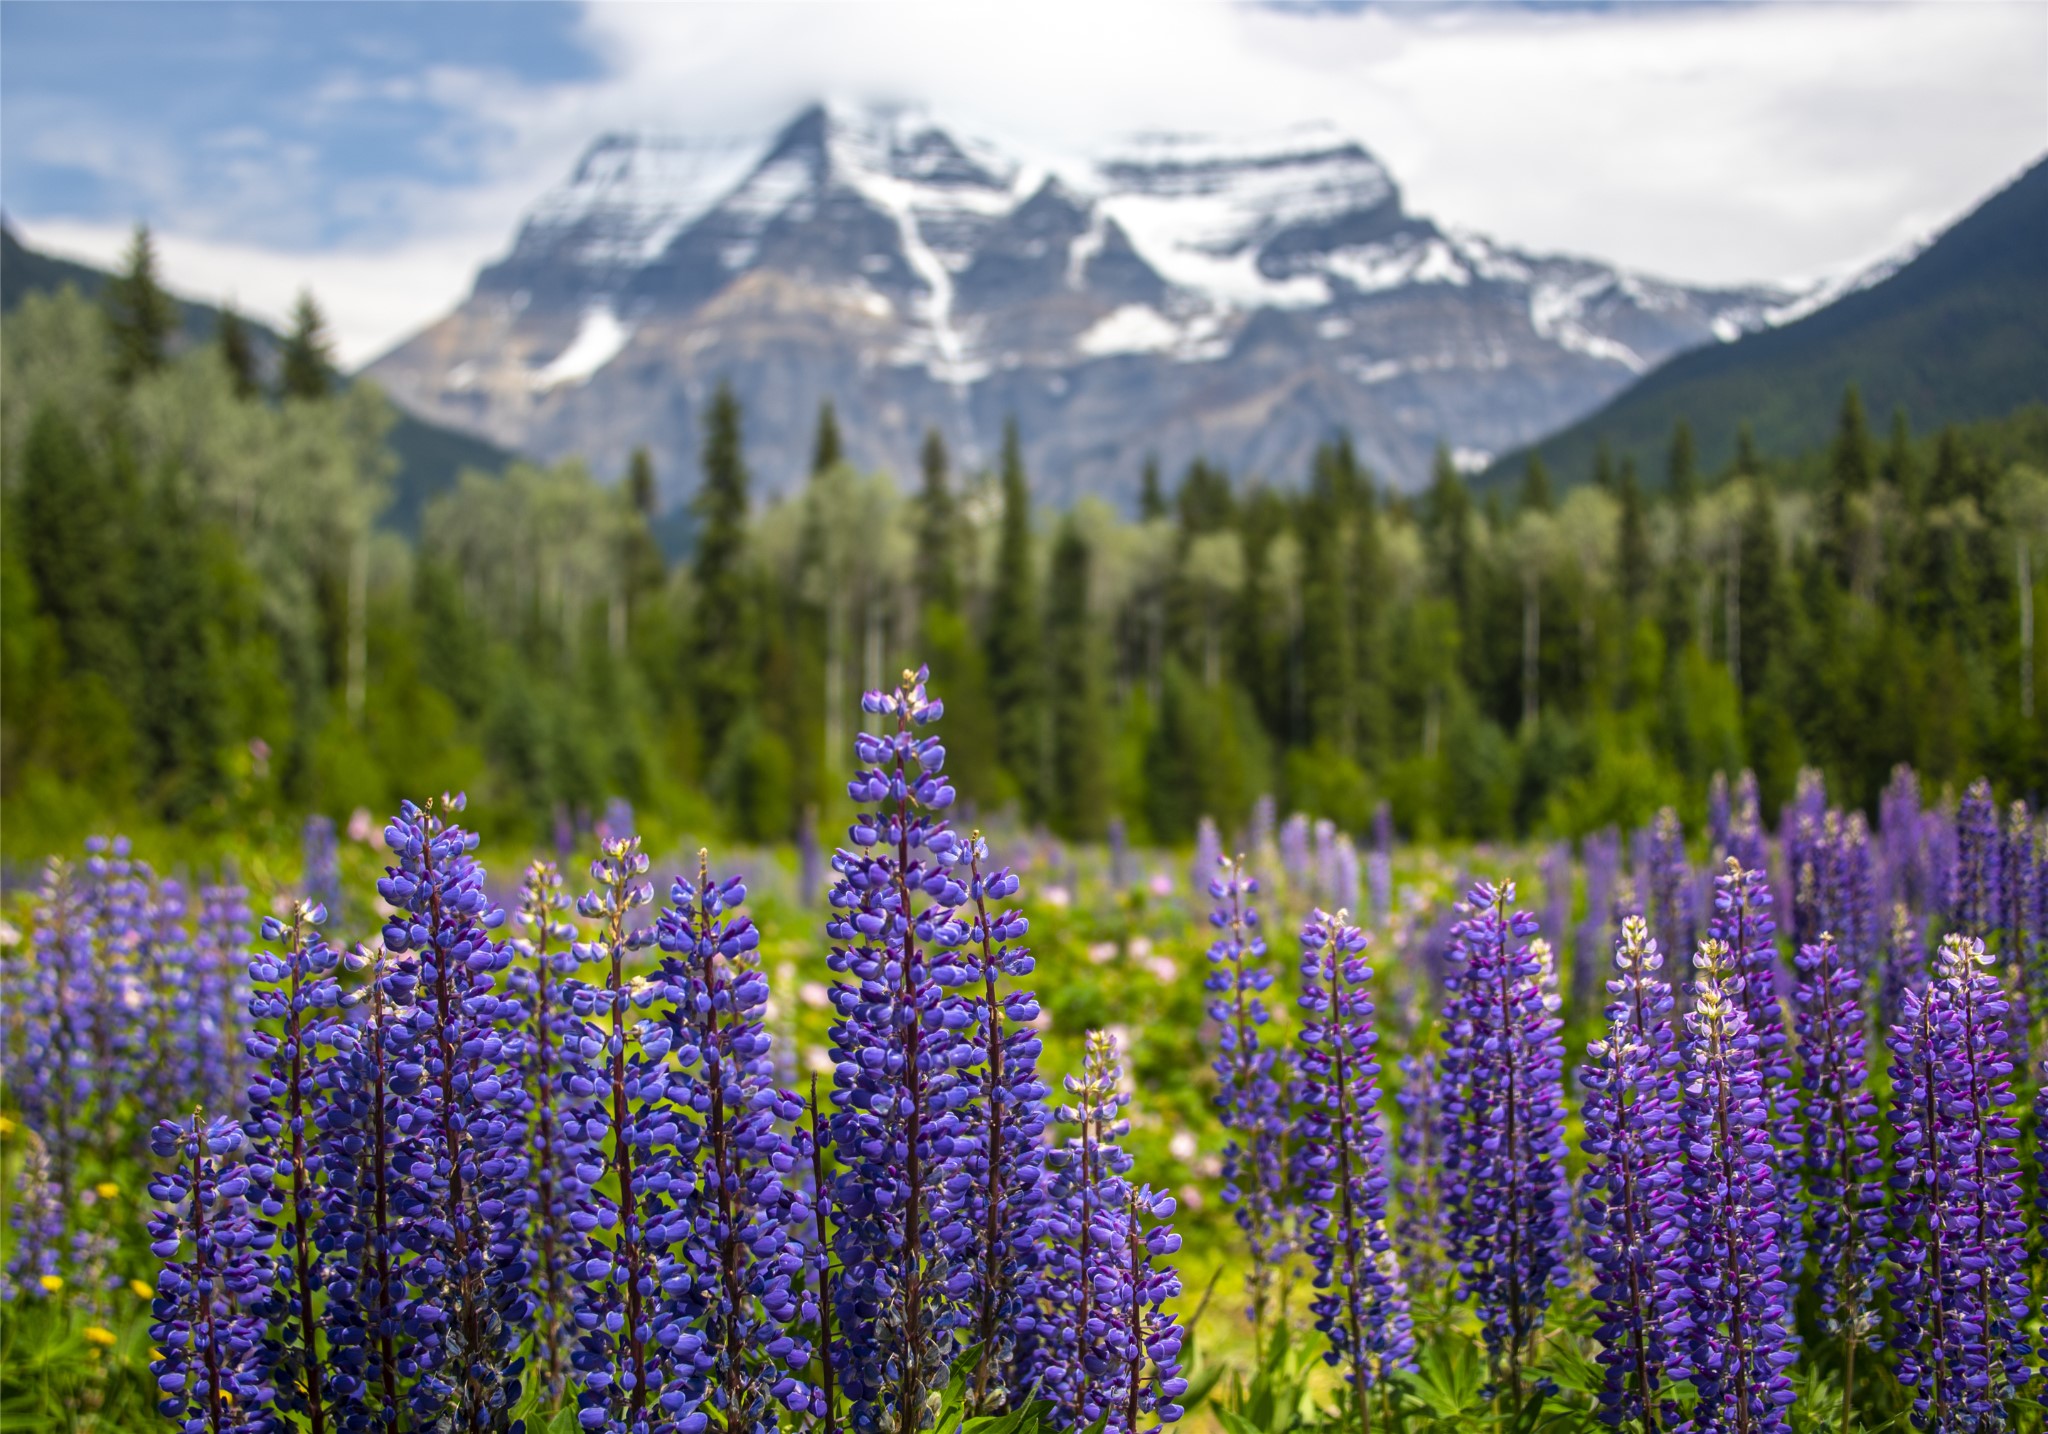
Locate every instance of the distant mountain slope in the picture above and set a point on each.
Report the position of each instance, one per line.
(1959, 332)
(430, 456)
(1239, 299)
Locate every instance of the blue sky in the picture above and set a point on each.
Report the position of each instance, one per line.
(380, 152)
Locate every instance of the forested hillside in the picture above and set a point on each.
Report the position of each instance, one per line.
(204, 620)
(1958, 334)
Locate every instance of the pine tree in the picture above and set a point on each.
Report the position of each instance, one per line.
(1536, 486)
(1760, 587)
(1447, 535)
(938, 571)
(73, 521)
(1632, 543)
(141, 316)
(1901, 469)
(1747, 459)
(237, 353)
(825, 449)
(1851, 470)
(1682, 482)
(724, 646)
(1079, 702)
(1151, 497)
(642, 566)
(1014, 653)
(307, 370)
(1603, 467)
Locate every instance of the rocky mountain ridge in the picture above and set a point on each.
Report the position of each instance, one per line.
(1174, 296)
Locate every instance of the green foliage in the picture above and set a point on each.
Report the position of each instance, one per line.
(140, 315)
(307, 368)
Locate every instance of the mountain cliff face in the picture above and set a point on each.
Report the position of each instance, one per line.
(1240, 300)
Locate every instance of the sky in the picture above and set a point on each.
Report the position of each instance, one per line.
(379, 153)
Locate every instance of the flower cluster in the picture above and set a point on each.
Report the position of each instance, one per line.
(1504, 1150)
(1361, 1305)
(1251, 1080)
(1630, 1193)
(1731, 1334)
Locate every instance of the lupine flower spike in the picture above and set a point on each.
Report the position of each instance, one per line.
(1630, 1192)
(1361, 1306)
(1250, 1077)
(1418, 1155)
(208, 1333)
(901, 1242)
(1842, 1162)
(559, 1083)
(1731, 1335)
(1504, 1148)
(1006, 1169)
(1085, 1224)
(744, 1247)
(295, 990)
(462, 1222)
(1141, 1340)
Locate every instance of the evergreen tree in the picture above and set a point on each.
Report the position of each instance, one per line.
(1760, 589)
(1536, 485)
(307, 370)
(643, 569)
(1901, 469)
(1603, 467)
(1080, 789)
(724, 648)
(1747, 459)
(74, 517)
(140, 315)
(1447, 534)
(825, 449)
(1205, 501)
(1682, 482)
(183, 715)
(938, 569)
(1014, 654)
(1851, 470)
(238, 353)
(1151, 497)
(1632, 543)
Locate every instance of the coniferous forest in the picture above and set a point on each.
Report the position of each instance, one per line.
(205, 619)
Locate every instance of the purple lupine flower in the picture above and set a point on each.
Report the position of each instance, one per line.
(1730, 1334)
(1747, 840)
(1667, 886)
(1720, 813)
(51, 1066)
(1208, 856)
(1419, 1236)
(1004, 1169)
(2019, 925)
(902, 1245)
(1250, 1078)
(1340, 874)
(1085, 1177)
(35, 1219)
(640, 1338)
(1846, 889)
(1504, 1148)
(1959, 1286)
(1361, 1306)
(1743, 924)
(1842, 1164)
(1905, 966)
(1630, 1196)
(1295, 859)
(320, 870)
(1141, 1341)
(208, 1334)
(462, 1222)
(560, 1082)
(1976, 888)
(294, 991)
(745, 1243)
(373, 1132)
(1902, 872)
(1600, 853)
(1265, 820)
(221, 991)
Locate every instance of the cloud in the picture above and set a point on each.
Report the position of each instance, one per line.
(1704, 142)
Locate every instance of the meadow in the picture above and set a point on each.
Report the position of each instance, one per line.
(383, 1128)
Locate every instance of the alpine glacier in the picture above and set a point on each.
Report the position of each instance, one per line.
(1174, 296)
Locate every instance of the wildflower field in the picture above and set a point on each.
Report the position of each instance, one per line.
(1730, 1129)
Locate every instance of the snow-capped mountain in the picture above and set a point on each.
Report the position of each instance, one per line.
(1239, 299)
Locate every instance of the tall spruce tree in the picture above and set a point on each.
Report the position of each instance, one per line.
(140, 315)
(1851, 470)
(1536, 486)
(1079, 701)
(237, 353)
(826, 451)
(1681, 477)
(1901, 466)
(1151, 496)
(307, 369)
(1632, 556)
(723, 627)
(1014, 653)
(938, 569)
(1747, 459)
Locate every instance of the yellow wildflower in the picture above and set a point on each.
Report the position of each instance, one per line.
(6, 1126)
(51, 1283)
(142, 1289)
(107, 1189)
(95, 1335)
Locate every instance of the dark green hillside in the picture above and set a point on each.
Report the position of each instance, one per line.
(429, 456)
(1960, 333)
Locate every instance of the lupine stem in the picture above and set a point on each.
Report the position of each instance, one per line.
(552, 1297)
(910, 1399)
(819, 1201)
(380, 1236)
(994, 1268)
(628, 1250)
(295, 1113)
(204, 1292)
(724, 1167)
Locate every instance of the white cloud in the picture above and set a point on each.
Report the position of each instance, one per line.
(1707, 143)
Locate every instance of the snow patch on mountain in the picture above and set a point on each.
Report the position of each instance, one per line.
(599, 338)
(633, 193)
(1132, 329)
